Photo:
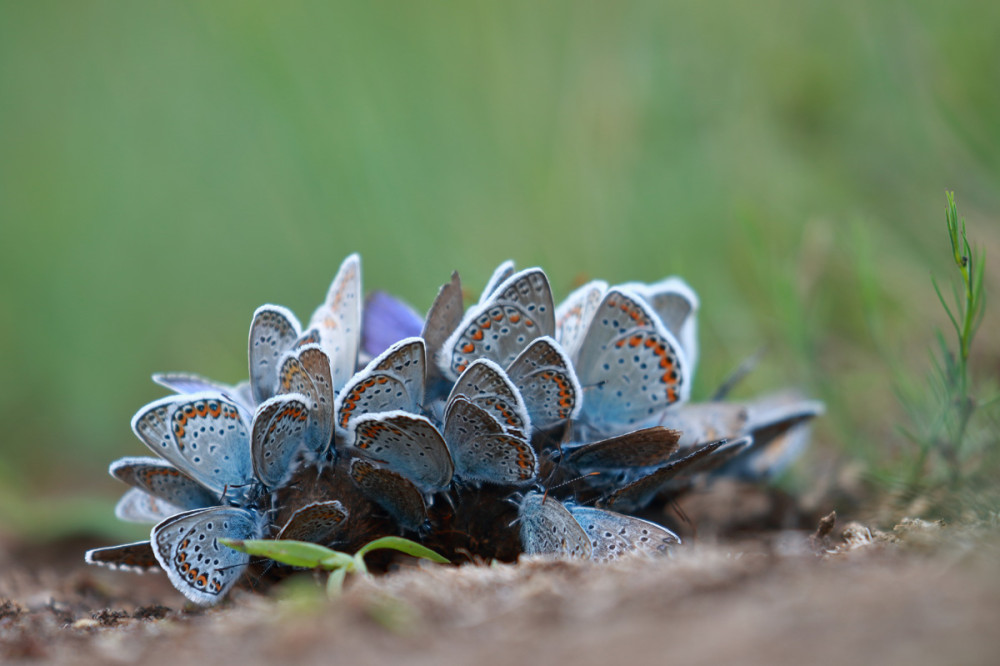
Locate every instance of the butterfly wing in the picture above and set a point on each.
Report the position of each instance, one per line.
(613, 535)
(677, 305)
(307, 371)
(164, 482)
(280, 432)
(202, 435)
(392, 381)
(631, 368)
(545, 379)
(500, 273)
(637, 449)
(487, 386)
(407, 444)
(498, 329)
(574, 314)
(317, 522)
(136, 557)
(444, 316)
(482, 451)
(273, 331)
(638, 493)
(338, 321)
(548, 528)
(138, 506)
(392, 491)
(187, 548)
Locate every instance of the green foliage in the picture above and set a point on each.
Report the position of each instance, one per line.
(313, 556)
(954, 467)
(165, 168)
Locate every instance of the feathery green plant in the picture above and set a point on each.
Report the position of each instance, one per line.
(955, 449)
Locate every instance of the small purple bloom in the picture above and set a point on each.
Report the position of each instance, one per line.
(386, 320)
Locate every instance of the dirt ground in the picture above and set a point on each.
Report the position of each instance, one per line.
(921, 594)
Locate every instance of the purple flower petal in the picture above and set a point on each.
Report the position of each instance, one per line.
(386, 320)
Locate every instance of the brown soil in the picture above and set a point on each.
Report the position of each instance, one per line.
(922, 594)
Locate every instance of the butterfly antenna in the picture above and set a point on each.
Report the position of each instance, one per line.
(739, 374)
(686, 519)
(573, 480)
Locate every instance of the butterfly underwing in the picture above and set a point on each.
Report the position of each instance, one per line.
(392, 491)
(613, 535)
(630, 367)
(647, 447)
(487, 386)
(137, 557)
(394, 380)
(202, 435)
(548, 528)
(316, 522)
(279, 434)
(306, 370)
(187, 547)
(545, 379)
(408, 444)
(273, 331)
(338, 321)
(163, 481)
(574, 314)
(498, 329)
(482, 451)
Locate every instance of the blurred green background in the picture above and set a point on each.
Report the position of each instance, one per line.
(166, 167)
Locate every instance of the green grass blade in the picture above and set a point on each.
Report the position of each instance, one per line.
(292, 553)
(335, 583)
(404, 546)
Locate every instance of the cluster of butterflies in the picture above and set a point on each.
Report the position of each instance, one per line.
(513, 426)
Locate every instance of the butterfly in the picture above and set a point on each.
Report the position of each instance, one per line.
(158, 491)
(204, 436)
(306, 370)
(316, 522)
(187, 383)
(613, 535)
(392, 491)
(442, 319)
(778, 425)
(648, 447)
(574, 314)
(640, 492)
(273, 331)
(481, 449)
(487, 386)
(137, 556)
(408, 444)
(187, 547)
(631, 368)
(279, 433)
(500, 273)
(545, 379)
(338, 321)
(393, 380)
(676, 305)
(548, 528)
(509, 317)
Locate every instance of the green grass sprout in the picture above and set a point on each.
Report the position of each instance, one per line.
(313, 556)
(956, 451)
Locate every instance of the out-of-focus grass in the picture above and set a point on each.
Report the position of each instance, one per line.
(167, 167)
